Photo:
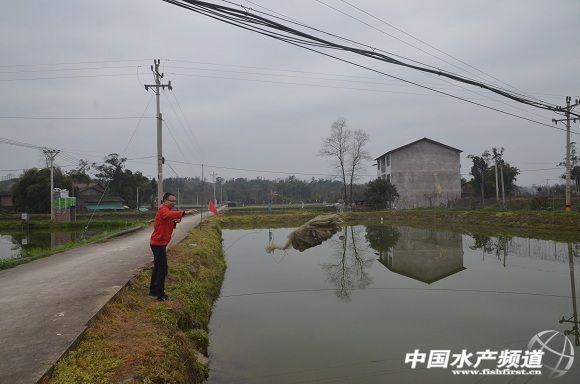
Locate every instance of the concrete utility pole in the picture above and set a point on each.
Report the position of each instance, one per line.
(567, 111)
(502, 186)
(213, 175)
(50, 155)
(496, 184)
(137, 203)
(158, 76)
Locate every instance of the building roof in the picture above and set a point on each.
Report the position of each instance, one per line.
(6, 186)
(417, 141)
(105, 199)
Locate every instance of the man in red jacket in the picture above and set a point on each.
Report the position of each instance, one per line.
(165, 221)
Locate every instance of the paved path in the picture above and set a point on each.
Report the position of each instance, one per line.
(46, 304)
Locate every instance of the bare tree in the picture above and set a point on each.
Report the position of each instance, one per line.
(337, 146)
(357, 156)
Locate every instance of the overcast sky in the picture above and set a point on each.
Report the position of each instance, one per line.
(243, 100)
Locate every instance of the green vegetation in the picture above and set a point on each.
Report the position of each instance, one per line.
(381, 194)
(136, 339)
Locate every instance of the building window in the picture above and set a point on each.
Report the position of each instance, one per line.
(382, 160)
(388, 160)
(389, 178)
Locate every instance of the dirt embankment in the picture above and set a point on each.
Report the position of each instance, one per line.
(550, 225)
(136, 339)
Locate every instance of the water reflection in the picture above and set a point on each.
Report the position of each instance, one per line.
(351, 262)
(12, 243)
(575, 331)
(502, 246)
(425, 255)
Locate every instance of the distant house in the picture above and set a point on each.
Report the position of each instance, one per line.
(425, 172)
(6, 196)
(92, 197)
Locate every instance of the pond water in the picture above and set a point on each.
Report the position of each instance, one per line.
(12, 243)
(349, 310)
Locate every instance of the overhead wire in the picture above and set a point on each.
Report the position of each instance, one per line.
(374, 49)
(122, 154)
(407, 43)
(251, 22)
(370, 14)
(337, 87)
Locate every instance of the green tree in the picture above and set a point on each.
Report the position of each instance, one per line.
(574, 166)
(32, 190)
(381, 194)
(80, 174)
(478, 171)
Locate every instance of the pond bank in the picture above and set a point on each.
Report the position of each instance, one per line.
(138, 339)
(543, 225)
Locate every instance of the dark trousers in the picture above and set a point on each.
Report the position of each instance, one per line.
(157, 287)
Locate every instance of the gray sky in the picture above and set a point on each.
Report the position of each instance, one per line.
(275, 118)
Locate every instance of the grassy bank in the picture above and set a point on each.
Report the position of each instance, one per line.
(548, 225)
(30, 254)
(136, 339)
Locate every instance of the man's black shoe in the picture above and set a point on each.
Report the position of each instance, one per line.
(163, 298)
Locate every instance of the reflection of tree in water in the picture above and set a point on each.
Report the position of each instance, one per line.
(382, 239)
(497, 245)
(349, 270)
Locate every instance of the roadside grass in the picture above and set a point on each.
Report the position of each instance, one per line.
(31, 254)
(136, 339)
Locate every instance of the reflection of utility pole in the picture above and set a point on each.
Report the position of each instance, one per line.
(50, 155)
(158, 76)
(574, 318)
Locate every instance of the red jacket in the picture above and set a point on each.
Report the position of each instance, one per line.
(164, 224)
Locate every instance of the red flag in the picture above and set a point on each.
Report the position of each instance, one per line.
(212, 208)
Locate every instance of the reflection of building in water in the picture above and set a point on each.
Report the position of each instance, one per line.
(425, 254)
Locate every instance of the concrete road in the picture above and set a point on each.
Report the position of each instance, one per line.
(46, 304)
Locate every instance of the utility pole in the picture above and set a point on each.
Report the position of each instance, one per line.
(178, 199)
(137, 204)
(50, 155)
(567, 109)
(158, 76)
(202, 195)
(213, 175)
(502, 185)
(496, 184)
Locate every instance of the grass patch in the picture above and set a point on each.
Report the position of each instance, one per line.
(136, 339)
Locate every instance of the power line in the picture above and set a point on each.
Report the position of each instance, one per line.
(72, 63)
(66, 69)
(69, 77)
(427, 44)
(336, 87)
(245, 23)
(246, 20)
(73, 117)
